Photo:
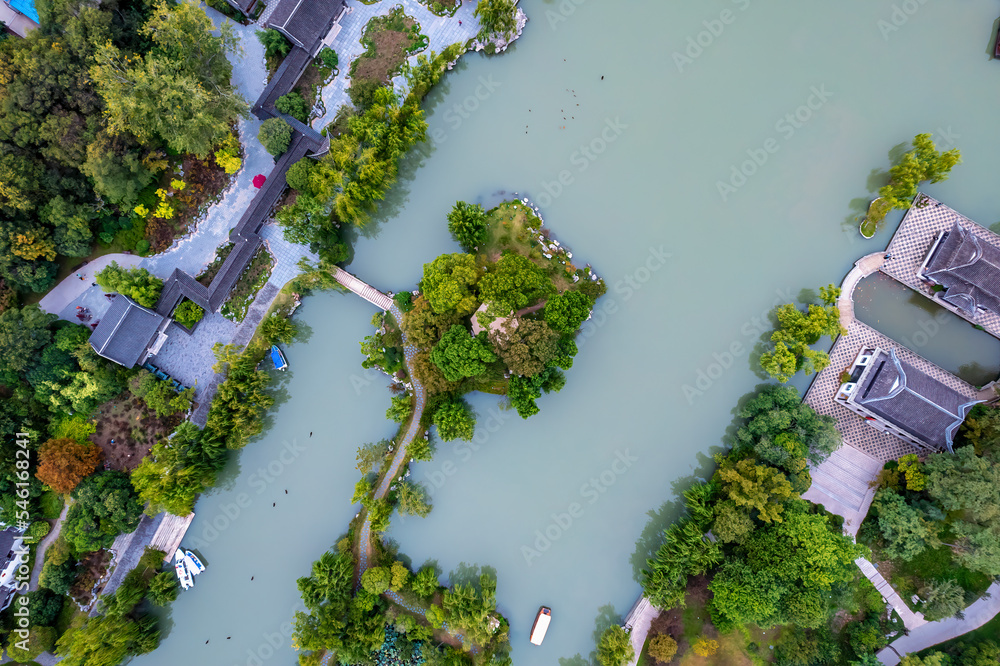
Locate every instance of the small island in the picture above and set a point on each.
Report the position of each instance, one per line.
(501, 318)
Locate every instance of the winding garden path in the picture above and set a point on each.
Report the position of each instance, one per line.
(365, 545)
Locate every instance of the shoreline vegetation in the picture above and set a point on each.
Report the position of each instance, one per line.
(923, 163)
(498, 318)
(57, 389)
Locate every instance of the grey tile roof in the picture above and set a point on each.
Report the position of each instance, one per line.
(7, 539)
(306, 22)
(912, 400)
(125, 331)
(968, 267)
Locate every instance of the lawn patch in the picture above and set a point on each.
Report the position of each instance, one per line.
(388, 40)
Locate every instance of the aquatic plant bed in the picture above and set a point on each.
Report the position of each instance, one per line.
(212, 269)
(253, 278)
(388, 40)
(442, 7)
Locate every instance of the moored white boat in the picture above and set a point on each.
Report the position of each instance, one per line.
(541, 625)
(193, 564)
(184, 576)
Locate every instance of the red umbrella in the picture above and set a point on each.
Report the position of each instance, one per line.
(259, 180)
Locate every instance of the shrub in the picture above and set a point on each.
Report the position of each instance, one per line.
(662, 648)
(38, 530)
(297, 175)
(227, 155)
(142, 247)
(294, 105)
(188, 313)
(40, 639)
(362, 93)
(329, 57)
(404, 300)
(275, 44)
(51, 504)
(275, 134)
(705, 646)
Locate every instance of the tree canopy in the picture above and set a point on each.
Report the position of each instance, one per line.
(514, 282)
(467, 224)
(106, 506)
(798, 330)
(460, 355)
(449, 284)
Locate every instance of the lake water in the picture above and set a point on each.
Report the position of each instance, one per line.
(627, 169)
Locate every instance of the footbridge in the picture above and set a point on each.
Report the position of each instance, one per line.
(362, 289)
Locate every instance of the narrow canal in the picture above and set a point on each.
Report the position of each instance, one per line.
(709, 159)
(928, 329)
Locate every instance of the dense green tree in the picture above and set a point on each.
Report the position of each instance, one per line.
(461, 355)
(527, 346)
(743, 595)
(524, 391)
(685, 552)
(400, 409)
(615, 647)
(275, 44)
(798, 330)
(758, 487)
(137, 283)
(105, 506)
(372, 454)
(180, 91)
(376, 580)
(965, 482)
(424, 327)
(188, 313)
(413, 499)
(425, 583)
(981, 429)
(23, 334)
(45, 606)
(163, 588)
(275, 135)
(117, 169)
(429, 69)
(497, 19)
(455, 420)
(942, 599)
(777, 411)
(298, 175)
(565, 312)
(106, 640)
(807, 647)
(906, 530)
(923, 163)
(468, 226)
(241, 400)
(294, 105)
(176, 471)
(40, 639)
(449, 284)
(512, 283)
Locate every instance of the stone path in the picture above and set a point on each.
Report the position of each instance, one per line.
(863, 267)
(910, 619)
(929, 634)
(913, 239)
(844, 485)
(409, 351)
(441, 31)
(638, 622)
(128, 550)
(43, 546)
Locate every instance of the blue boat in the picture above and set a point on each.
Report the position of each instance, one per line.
(278, 358)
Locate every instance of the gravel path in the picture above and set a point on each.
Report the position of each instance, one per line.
(44, 546)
